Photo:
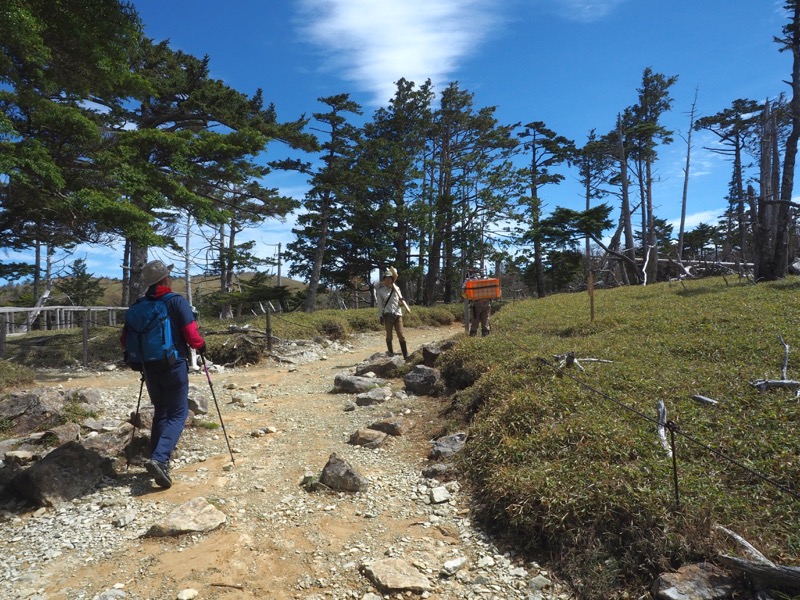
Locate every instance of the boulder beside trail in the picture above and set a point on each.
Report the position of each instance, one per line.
(340, 476)
(423, 381)
(195, 516)
(382, 366)
(353, 384)
(65, 473)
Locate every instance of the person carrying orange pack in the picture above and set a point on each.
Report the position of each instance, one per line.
(479, 309)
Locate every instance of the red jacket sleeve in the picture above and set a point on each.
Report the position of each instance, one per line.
(192, 336)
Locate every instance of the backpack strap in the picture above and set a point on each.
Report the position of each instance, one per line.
(388, 298)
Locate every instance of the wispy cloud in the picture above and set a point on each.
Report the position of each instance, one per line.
(709, 217)
(375, 43)
(585, 11)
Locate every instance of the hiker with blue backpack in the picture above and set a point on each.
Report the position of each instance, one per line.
(159, 330)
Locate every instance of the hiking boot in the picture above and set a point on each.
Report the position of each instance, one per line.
(159, 472)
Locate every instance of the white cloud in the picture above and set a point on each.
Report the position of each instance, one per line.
(375, 43)
(709, 217)
(585, 11)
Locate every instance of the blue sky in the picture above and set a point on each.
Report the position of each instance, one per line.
(573, 64)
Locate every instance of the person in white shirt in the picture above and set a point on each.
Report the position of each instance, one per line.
(390, 303)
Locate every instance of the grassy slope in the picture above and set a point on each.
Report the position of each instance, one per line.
(570, 471)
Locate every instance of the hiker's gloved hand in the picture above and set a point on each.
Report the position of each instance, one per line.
(382, 320)
(202, 349)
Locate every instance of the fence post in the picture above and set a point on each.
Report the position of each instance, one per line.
(673, 427)
(3, 328)
(86, 337)
(269, 328)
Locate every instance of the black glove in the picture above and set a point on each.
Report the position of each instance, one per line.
(202, 349)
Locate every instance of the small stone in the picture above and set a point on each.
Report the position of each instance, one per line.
(451, 567)
(187, 594)
(439, 495)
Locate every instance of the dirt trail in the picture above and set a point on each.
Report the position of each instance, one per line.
(279, 540)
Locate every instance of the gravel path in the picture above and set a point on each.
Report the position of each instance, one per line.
(279, 540)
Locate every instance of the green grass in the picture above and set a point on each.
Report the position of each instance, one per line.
(13, 375)
(579, 473)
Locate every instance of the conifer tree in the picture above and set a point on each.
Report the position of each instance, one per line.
(545, 151)
(326, 202)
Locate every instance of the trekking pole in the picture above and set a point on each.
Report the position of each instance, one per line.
(214, 396)
(135, 421)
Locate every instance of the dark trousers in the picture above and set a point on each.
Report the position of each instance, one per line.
(169, 393)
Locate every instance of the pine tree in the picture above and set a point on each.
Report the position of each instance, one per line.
(80, 286)
(546, 151)
(325, 203)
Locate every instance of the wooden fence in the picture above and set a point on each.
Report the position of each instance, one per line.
(20, 321)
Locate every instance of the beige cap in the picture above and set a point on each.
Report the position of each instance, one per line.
(155, 271)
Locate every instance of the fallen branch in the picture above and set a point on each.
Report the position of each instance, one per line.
(233, 329)
(662, 427)
(769, 576)
(785, 357)
(570, 360)
(235, 586)
(704, 399)
(762, 385)
(759, 566)
(748, 548)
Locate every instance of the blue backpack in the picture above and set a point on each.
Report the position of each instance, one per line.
(148, 342)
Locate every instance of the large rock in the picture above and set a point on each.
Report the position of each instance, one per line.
(369, 438)
(353, 384)
(422, 381)
(701, 581)
(382, 366)
(65, 473)
(198, 400)
(446, 446)
(432, 352)
(195, 516)
(114, 443)
(396, 425)
(396, 575)
(340, 476)
(34, 410)
(61, 434)
(374, 396)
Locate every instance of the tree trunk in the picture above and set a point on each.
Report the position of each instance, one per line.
(652, 244)
(187, 278)
(138, 261)
(684, 197)
(126, 274)
(629, 250)
(319, 256)
(787, 179)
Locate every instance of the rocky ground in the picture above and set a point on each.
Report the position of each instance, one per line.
(279, 540)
